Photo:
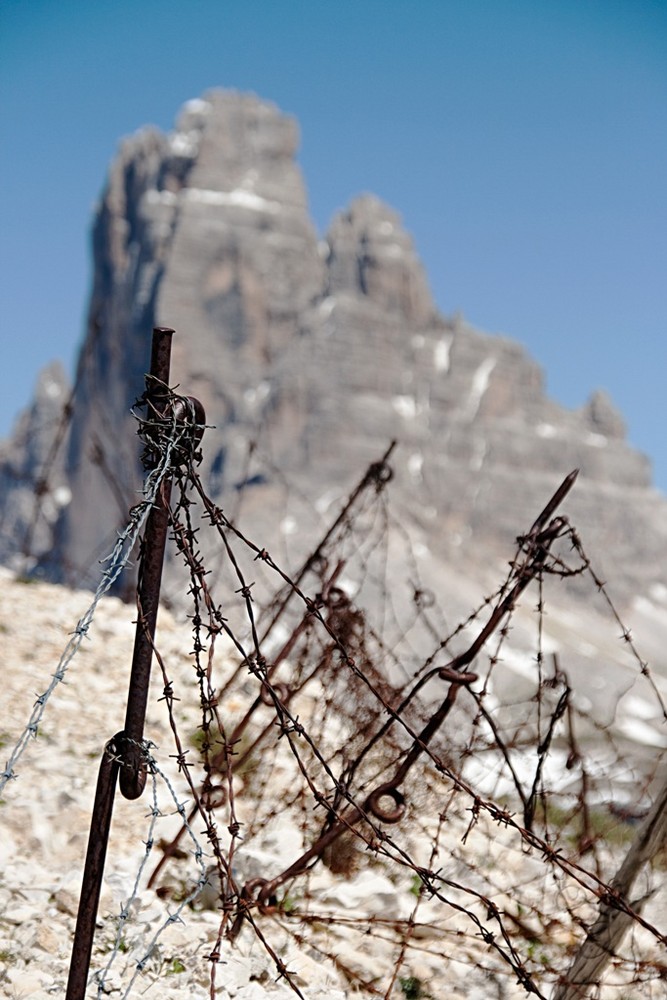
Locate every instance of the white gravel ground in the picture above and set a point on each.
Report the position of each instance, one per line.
(44, 821)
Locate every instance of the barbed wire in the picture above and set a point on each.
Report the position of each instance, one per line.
(125, 913)
(116, 561)
(531, 564)
(393, 753)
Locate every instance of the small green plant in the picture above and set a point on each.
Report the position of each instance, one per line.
(288, 904)
(416, 885)
(174, 968)
(536, 953)
(411, 988)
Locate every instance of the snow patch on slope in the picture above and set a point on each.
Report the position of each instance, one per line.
(479, 385)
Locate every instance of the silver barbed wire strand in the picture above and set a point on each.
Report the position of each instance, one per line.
(125, 912)
(117, 561)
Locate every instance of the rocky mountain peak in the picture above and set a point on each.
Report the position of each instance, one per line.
(244, 146)
(371, 254)
(603, 416)
(320, 352)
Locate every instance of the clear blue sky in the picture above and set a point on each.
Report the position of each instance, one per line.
(524, 142)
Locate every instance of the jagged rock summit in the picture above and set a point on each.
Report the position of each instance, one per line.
(31, 500)
(321, 351)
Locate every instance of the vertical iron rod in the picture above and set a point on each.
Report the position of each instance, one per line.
(91, 885)
(133, 772)
(123, 756)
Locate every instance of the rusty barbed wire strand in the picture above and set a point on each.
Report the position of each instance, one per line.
(626, 634)
(558, 530)
(327, 645)
(245, 593)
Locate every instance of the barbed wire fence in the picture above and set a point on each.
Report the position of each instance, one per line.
(116, 561)
(358, 785)
(356, 751)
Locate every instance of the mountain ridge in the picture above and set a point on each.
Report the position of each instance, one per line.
(329, 345)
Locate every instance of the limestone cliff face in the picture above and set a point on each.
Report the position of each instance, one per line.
(33, 484)
(321, 351)
(205, 230)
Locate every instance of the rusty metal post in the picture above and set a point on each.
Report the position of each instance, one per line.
(123, 756)
(133, 772)
(91, 884)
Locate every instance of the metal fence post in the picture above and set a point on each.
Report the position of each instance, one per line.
(124, 755)
(133, 772)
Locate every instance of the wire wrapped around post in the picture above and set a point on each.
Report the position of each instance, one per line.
(176, 424)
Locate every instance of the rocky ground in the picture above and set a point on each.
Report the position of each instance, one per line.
(355, 926)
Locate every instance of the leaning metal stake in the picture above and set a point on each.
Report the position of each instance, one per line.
(124, 756)
(133, 772)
